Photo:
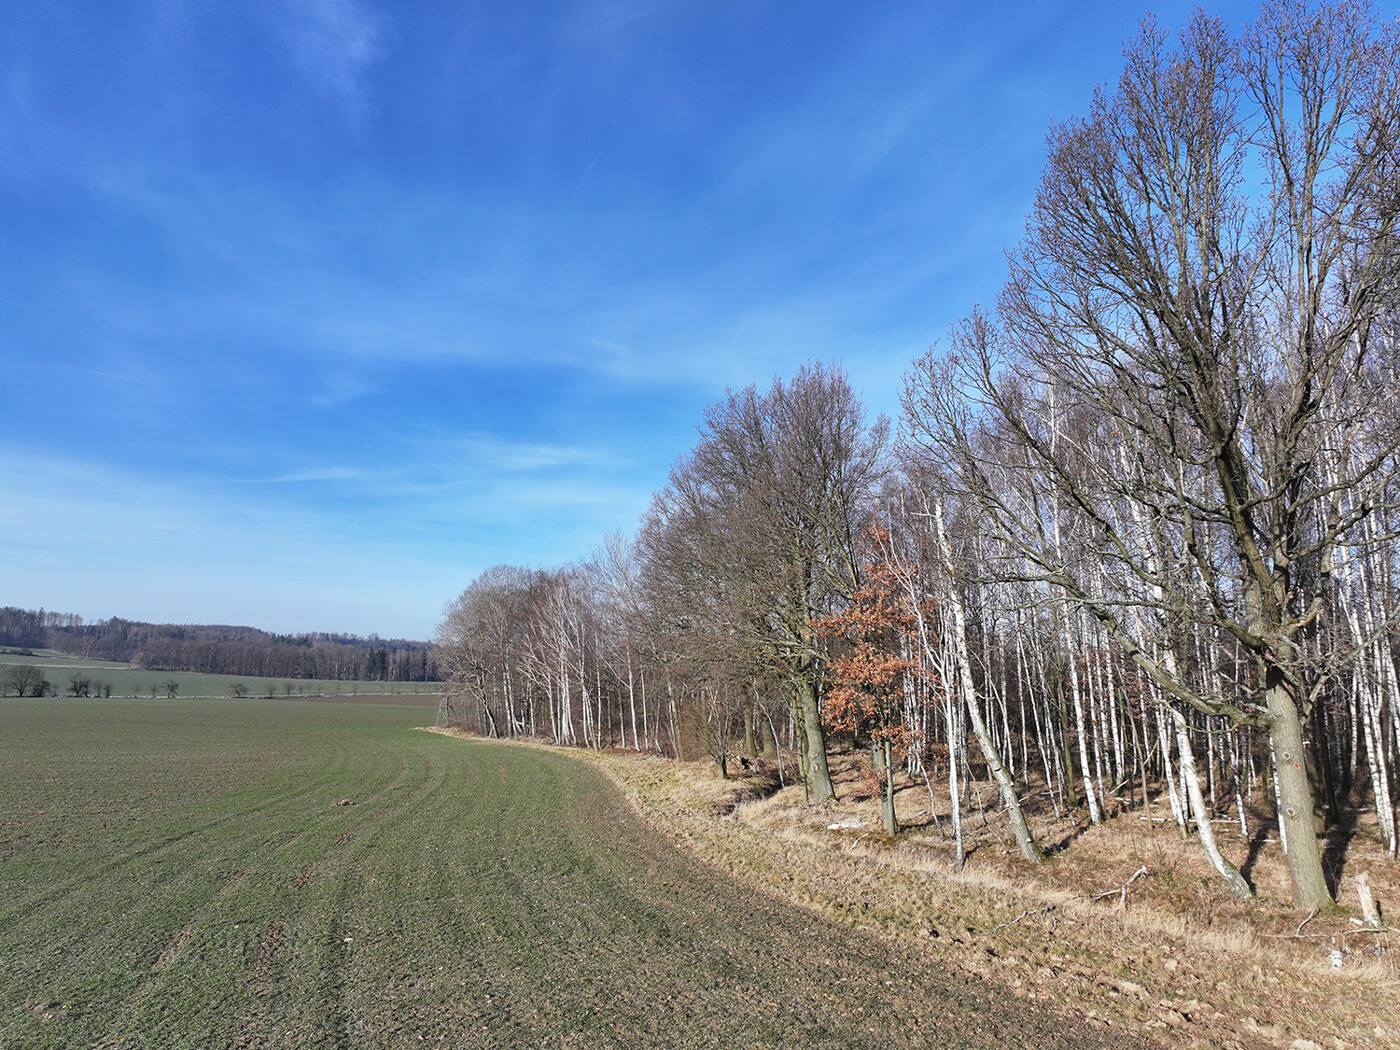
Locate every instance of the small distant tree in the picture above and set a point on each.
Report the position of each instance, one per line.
(287, 688)
(718, 729)
(79, 684)
(238, 689)
(171, 687)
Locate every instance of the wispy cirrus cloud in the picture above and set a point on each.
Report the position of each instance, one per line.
(85, 537)
(334, 43)
(497, 454)
(315, 474)
(374, 296)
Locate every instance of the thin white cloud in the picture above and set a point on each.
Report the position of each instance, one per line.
(314, 475)
(337, 389)
(334, 43)
(90, 539)
(100, 373)
(493, 453)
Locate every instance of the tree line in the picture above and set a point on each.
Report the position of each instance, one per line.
(1135, 541)
(28, 680)
(221, 649)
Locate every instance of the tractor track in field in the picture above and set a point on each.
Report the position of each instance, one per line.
(463, 895)
(618, 938)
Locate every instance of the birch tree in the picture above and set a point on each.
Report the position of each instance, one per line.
(1207, 271)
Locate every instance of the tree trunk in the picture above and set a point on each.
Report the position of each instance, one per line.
(954, 793)
(815, 769)
(1227, 871)
(887, 814)
(1081, 734)
(1295, 795)
(1019, 828)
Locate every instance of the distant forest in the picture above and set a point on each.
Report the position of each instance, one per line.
(221, 649)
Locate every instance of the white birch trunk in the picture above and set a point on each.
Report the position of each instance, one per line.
(1227, 871)
(1020, 829)
(1091, 796)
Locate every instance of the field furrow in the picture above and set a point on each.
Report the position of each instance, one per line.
(300, 875)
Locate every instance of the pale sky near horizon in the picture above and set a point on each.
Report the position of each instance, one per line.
(311, 310)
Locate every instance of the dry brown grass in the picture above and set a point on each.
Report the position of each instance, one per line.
(1173, 956)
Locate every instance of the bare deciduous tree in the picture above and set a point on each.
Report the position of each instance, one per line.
(26, 679)
(1175, 416)
(758, 525)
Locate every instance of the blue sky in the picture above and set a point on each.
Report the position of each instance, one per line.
(311, 310)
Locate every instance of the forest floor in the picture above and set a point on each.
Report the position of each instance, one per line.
(1125, 925)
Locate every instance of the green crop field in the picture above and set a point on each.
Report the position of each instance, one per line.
(171, 872)
(246, 873)
(128, 681)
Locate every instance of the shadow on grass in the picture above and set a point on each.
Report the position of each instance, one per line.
(1257, 841)
(1336, 845)
(1053, 846)
(754, 779)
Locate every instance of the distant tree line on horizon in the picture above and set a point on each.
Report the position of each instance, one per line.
(1137, 541)
(221, 649)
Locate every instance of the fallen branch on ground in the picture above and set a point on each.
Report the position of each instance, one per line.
(1311, 916)
(1029, 911)
(1121, 891)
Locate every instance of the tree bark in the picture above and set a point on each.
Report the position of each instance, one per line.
(1227, 871)
(1295, 796)
(816, 770)
(887, 813)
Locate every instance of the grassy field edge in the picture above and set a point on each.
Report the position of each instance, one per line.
(1166, 957)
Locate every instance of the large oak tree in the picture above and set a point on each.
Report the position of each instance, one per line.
(755, 535)
(1177, 414)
